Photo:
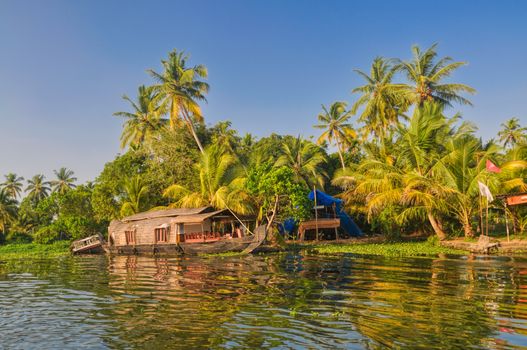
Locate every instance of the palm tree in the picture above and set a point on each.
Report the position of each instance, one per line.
(335, 126)
(512, 133)
(38, 188)
(407, 182)
(222, 184)
(224, 136)
(145, 121)
(135, 190)
(460, 169)
(183, 88)
(426, 76)
(306, 159)
(8, 209)
(13, 184)
(383, 101)
(64, 182)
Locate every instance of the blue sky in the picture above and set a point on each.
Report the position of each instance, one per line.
(64, 65)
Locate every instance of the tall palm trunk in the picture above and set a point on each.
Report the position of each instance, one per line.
(436, 226)
(339, 150)
(190, 126)
(467, 226)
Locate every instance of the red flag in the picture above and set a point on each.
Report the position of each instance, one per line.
(492, 167)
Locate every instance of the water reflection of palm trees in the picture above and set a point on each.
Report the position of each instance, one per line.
(320, 301)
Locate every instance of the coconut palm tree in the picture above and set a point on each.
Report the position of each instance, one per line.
(8, 209)
(426, 74)
(407, 181)
(512, 133)
(183, 88)
(37, 188)
(225, 136)
(460, 169)
(13, 184)
(306, 159)
(335, 126)
(136, 190)
(384, 102)
(146, 119)
(64, 182)
(222, 184)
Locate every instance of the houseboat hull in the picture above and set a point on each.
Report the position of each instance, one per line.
(245, 244)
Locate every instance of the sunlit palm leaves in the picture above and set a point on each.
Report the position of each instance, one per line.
(222, 184)
(64, 182)
(13, 185)
(146, 119)
(37, 188)
(426, 74)
(336, 128)
(383, 101)
(8, 209)
(512, 133)
(183, 88)
(306, 160)
(136, 191)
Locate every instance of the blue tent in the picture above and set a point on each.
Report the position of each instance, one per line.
(346, 222)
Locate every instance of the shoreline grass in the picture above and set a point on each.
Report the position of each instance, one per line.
(30, 250)
(391, 249)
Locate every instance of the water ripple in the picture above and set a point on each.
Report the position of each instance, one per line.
(284, 301)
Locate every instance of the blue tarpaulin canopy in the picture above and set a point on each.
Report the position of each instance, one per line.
(346, 222)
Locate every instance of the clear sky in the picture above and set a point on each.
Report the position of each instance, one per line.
(64, 65)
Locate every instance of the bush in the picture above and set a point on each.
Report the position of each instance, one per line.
(47, 234)
(18, 237)
(433, 240)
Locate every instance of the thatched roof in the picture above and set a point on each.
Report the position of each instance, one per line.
(166, 213)
(198, 218)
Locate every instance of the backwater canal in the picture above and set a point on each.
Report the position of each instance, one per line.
(278, 301)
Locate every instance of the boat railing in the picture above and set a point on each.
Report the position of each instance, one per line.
(195, 237)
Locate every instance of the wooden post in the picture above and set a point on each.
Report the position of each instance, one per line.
(316, 211)
(507, 223)
(481, 228)
(487, 217)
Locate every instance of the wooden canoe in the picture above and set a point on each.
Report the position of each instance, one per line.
(89, 245)
(244, 244)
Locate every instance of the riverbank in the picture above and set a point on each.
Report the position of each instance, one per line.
(513, 245)
(29, 250)
(362, 246)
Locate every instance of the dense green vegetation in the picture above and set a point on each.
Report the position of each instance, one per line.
(406, 249)
(34, 250)
(399, 156)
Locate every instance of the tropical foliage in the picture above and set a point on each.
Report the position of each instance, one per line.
(222, 184)
(13, 184)
(399, 157)
(64, 182)
(182, 88)
(426, 74)
(336, 128)
(37, 188)
(143, 124)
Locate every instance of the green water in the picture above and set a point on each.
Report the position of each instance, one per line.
(264, 302)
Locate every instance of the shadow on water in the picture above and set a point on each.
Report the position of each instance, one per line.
(276, 301)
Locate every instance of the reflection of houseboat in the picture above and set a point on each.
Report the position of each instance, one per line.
(187, 230)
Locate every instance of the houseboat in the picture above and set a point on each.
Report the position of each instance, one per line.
(183, 230)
